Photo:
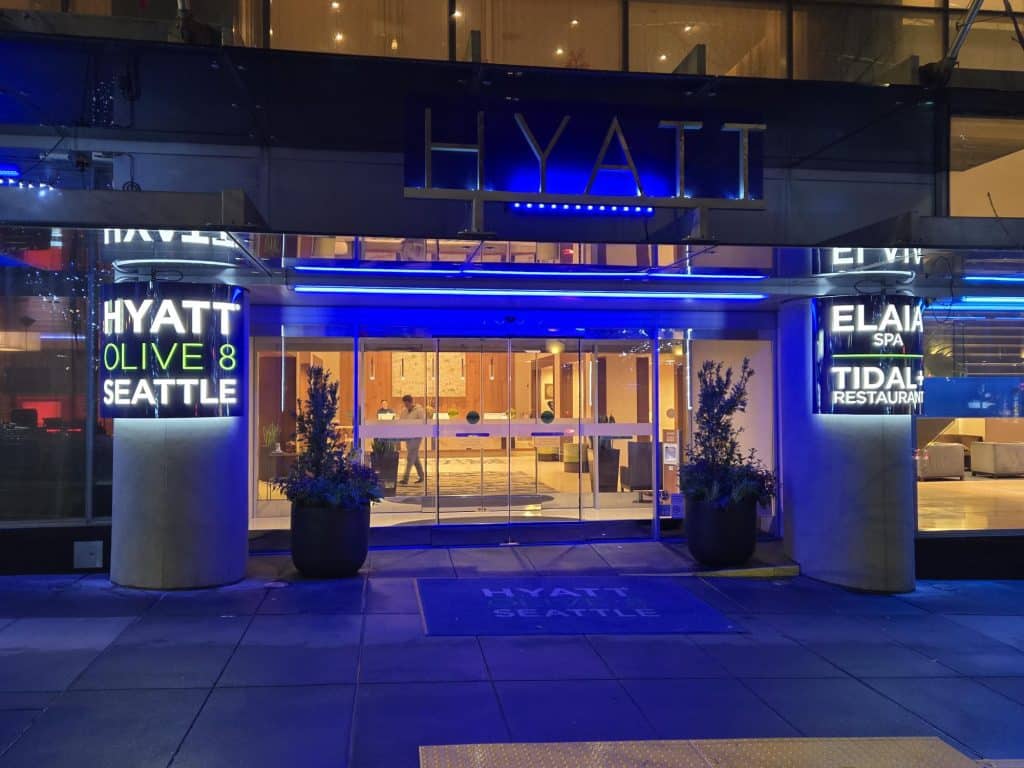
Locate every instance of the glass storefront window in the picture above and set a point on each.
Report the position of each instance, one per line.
(412, 29)
(986, 160)
(279, 382)
(992, 42)
(707, 38)
(577, 34)
(863, 45)
(44, 376)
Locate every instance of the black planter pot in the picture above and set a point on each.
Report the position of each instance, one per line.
(721, 537)
(386, 467)
(329, 541)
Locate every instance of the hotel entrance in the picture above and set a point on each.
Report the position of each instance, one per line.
(465, 431)
(508, 430)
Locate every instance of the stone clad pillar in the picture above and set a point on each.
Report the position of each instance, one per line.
(174, 376)
(847, 491)
(180, 513)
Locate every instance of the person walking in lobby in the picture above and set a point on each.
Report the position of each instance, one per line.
(413, 413)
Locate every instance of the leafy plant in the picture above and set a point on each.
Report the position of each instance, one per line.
(269, 433)
(325, 473)
(717, 470)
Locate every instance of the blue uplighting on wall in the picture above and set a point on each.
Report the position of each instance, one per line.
(8, 171)
(524, 293)
(581, 209)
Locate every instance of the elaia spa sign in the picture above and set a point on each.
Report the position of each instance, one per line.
(172, 350)
(868, 355)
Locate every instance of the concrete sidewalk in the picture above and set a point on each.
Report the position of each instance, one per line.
(278, 671)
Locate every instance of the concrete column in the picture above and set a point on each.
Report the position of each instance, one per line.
(847, 485)
(180, 516)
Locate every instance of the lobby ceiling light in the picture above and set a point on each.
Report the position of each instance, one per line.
(456, 14)
(395, 290)
(559, 51)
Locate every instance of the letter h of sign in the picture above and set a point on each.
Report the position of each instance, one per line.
(430, 147)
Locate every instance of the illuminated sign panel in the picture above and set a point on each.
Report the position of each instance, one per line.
(173, 350)
(827, 260)
(868, 355)
(539, 154)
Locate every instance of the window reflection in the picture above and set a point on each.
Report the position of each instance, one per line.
(707, 38)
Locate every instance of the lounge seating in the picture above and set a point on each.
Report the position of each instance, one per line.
(997, 459)
(941, 460)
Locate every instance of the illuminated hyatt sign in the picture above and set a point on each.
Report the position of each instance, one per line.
(868, 355)
(174, 350)
(545, 156)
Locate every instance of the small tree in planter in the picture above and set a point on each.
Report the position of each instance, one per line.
(722, 485)
(329, 489)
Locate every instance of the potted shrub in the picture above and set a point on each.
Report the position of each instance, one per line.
(329, 489)
(722, 485)
(384, 461)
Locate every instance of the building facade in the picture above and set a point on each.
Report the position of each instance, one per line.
(535, 227)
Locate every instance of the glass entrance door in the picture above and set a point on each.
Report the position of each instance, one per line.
(548, 471)
(473, 443)
(398, 428)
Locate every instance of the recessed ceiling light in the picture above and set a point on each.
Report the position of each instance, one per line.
(663, 57)
(574, 23)
(688, 28)
(394, 43)
(559, 51)
(335, 5)
(338, 37)
(456, 14)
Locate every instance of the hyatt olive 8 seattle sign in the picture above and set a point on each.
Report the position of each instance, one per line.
(172, 350)
(868, 355)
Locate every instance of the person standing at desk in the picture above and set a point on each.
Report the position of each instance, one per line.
(412, 413)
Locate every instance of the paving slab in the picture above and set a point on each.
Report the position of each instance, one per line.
(391, 595)
(245, 727)
(564, 710)
(393, 721)
(542, 658)
(976, 716)
(305, 649)
(396, 650)
(137, 728)
(478, 561)
(166, 652)
(837, 707)
(315, 596)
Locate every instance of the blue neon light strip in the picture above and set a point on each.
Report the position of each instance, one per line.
(415, 291)
(582, 209)
(380, 270)
(1011, 300)
(993, 279)
(9, 171)
(484, 272)
(980, 303)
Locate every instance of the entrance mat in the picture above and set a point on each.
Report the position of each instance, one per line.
(565, 605)
(724, 753)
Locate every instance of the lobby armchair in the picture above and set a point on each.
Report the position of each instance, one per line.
(939, 460)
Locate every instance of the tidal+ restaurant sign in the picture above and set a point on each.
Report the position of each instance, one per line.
(172, 350)
(868, 355)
